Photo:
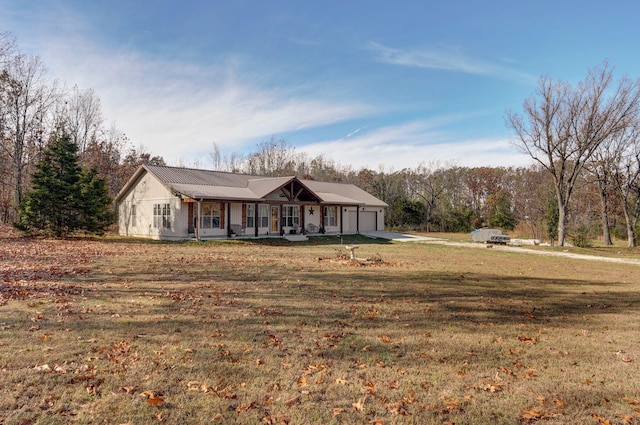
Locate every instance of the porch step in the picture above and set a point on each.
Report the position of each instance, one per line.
(295, 238)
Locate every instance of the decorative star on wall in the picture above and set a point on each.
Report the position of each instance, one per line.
(311, 211)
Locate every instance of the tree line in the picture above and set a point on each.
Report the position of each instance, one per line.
(583, 139)
(445, 197)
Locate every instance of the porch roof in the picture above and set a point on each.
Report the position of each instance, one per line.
(196, 191)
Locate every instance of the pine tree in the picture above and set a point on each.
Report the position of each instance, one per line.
(64, 197)
(96, 215)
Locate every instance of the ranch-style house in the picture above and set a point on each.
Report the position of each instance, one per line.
(172, 203)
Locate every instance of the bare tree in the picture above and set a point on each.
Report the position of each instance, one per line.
(273, 158)
(562, 126)
(82, 117)
(28, 98)
(7, 48)
(530, 187)
(428, 183)
(602, 168)
(625, 176)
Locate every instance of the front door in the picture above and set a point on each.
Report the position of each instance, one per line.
(275, 218)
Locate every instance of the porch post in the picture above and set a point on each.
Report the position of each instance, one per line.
(228, 223)
(341, 216)
(198, 220)
(255, 219)
(358, 219)
(302, 231)
(280, 226)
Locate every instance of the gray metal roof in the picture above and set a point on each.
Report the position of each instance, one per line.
(205, 184)
(175, 175)
(263, 186)
(343, 190)
(200, 191)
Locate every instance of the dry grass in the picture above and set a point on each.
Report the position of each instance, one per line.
(126, 332)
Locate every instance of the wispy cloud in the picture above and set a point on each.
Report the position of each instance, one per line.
(179, 110)
(449, 59)
(410, 144)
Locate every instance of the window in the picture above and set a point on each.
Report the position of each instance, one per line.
(291, 215)
(263, 216)
(162, 216)
(251, 215)
(329, 216)
(134, 219)
(210, 216)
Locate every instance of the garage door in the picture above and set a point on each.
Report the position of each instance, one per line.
(368, 220)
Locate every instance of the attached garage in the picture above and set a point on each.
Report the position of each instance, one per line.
(368, 220)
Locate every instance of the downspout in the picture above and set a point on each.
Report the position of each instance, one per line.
(341, 217)
(358, 219)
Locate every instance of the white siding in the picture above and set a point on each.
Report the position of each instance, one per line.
(236, 213)
(314, 219)
(350, 224)
(146, 192)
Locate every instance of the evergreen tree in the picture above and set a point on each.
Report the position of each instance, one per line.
(64, 197)
(96, 212)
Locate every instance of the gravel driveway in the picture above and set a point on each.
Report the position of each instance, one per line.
(404, 237)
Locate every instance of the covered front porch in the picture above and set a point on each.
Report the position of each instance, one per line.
(284, 208)
(215, 219)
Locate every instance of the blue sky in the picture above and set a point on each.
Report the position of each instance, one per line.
(375, 84)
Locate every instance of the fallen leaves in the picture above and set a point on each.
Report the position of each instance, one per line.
(600, 419)
(129, 389)
(546, 408)
(397, 408)
(153, 398)
(534, 414)
(527, 339)
(359, 405)
(623, 357)
(37, 267)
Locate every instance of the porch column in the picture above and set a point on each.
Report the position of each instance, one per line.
(280, 226)
(228, 223)
(255, 219)
(198, 220)
(341, 216)
(301, 208)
